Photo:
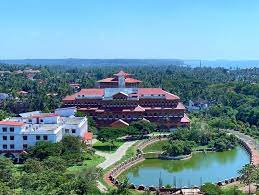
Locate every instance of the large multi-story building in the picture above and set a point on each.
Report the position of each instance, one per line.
(18, 133)
(119, 100)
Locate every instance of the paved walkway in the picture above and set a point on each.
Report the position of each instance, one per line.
(253, 144)
(112, 158)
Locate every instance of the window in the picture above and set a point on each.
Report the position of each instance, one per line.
(11, 137)
(45, 137)
(4, 146)
(12, 146)
(66, 130)
(25, 146)
(25, 137)
(4, 129)
(37, 137)
(4, 137)
(11, 129)
(73, 131)
(30, 120)
(41, 120)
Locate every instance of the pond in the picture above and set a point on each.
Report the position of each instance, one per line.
(201, 168)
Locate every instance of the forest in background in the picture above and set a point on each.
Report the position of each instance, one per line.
(232, 94)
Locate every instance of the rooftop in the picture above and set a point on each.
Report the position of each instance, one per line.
(127, 80)
(41, 128)
(72, 120)
(122, 73)
(138, 92)
(12, 123)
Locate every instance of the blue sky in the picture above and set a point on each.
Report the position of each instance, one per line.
(186, 29)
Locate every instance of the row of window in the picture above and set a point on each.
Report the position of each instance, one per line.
(12, 146)
(4, 129)
(124, 105)
(140, 116)
(68, 131)
(38, 137)
(11, 137)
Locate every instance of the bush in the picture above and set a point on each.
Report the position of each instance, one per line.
(211, 189)
(178, 147)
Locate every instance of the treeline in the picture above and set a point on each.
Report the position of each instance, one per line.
(45, 170)
(184, 141)
(233, 95)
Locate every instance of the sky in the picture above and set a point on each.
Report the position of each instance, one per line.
(174, 29)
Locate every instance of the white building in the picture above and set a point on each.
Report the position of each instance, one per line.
(68, 111)
(197, 105)
(18, 133)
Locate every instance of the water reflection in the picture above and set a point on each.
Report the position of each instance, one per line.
(208, 167)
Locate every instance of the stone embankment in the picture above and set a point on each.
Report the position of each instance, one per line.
(111, 177)
(251, 145)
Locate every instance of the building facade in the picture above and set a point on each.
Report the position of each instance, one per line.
(18, 133)
(117, 98)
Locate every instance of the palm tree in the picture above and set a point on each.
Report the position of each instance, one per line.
(248, 175)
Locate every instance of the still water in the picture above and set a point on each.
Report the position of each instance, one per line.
(201, 168)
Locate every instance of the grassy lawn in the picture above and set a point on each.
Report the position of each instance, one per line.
(129, 153)
(107, 146)
(232, 189)
(200, 148)
(93, 162)
(155, 147)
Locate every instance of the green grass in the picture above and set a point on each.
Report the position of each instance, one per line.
(93, 162)
(129, 153)
(107, 146)
(232, 189)
(200, 148)
(155, 147)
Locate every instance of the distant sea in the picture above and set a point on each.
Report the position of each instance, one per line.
(234, 64)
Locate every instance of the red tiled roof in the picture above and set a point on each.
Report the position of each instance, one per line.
(12, 123)
(69, 97)
(180, 106)
(84, 92)
(91, 92)
(157, 91)
(119, 123)
(88, 136)
(141, 91)
(114, 80)
(185, 119)
(122, 73)
(131, 80)
(139, 109)
(106, 80)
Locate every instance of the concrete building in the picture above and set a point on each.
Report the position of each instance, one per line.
(18, 133)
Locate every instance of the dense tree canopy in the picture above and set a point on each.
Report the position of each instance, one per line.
(45, 170)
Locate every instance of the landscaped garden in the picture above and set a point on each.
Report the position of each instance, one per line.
(157, 146)
(108, 146)
(66, 167)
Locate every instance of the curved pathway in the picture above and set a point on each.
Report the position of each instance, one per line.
(111, 158)
(251, 142)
